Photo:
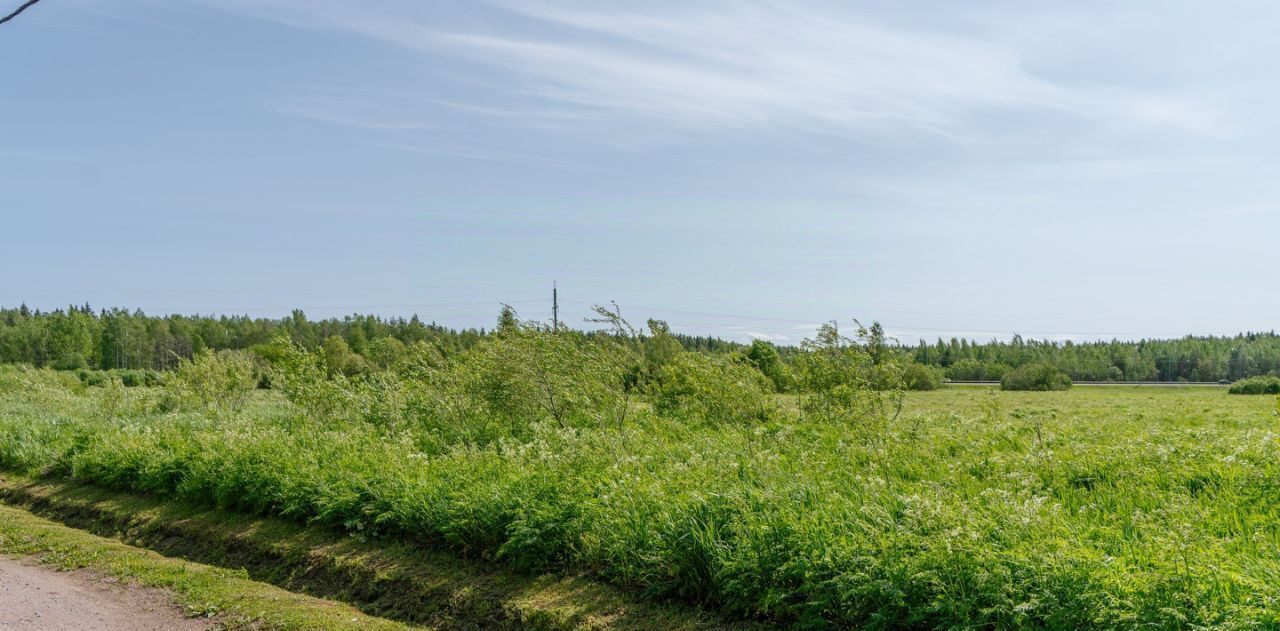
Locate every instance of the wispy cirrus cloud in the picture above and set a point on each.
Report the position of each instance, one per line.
(733, 66)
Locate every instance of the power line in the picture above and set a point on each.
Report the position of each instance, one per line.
(20, 9)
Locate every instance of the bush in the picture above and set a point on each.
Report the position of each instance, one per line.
(967, 370)
(1038, 377)
(502, 387)
(697, 387)
(1262, 384)
(128, 377)
(921, 377)
(843, 379)
(92, 378)
(139, 377)
(764, 356)
(219, 381)
(528, 373)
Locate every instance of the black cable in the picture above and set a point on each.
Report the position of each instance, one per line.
(20, 9)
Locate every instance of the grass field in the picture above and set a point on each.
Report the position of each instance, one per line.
(1106, 507)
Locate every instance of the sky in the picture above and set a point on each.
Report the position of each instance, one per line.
(1084, 170)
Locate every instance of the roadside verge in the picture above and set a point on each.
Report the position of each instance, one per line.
(382, 578)
(232, 600)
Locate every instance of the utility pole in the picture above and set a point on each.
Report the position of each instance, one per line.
(555, 309)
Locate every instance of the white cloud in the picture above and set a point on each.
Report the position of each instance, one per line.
(737, 66)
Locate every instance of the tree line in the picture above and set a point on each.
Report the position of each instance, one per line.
(1208, 358)
(80, 337)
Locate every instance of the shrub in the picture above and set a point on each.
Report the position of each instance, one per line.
(91, 378)
(844, 379)
(528, 373)
(386, 352)
(1038, 377)
(501, 387)
(219, 381)
(139, 377)
(764, 356)
(697, 387)
(339, 359)
(967, 369)
(128, 377)
(1262, 384)
(921, 377)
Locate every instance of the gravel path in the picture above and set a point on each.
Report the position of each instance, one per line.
(36, 598)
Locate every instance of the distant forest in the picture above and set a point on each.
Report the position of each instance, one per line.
(1189, 358)
(81, 338)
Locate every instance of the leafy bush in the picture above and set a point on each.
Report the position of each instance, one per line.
(764, 356)
(339, 359)
(967, 369)
(137, 378)
(1262, 384)
(128, 377)
(843, 379)
(1038, 377)
(218, 382)
(696, 387)
(92, 378)
(529, 373)
(920, 377)
(501, 387)
(386, 352)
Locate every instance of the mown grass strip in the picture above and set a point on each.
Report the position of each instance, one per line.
(201, 590)
(379, 577)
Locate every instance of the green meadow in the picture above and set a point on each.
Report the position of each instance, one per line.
(1117, 507)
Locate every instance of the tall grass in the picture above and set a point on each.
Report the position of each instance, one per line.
(1112, 509)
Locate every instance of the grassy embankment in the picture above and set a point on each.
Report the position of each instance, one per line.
(234, 601)
(1097, 507)
(386, 579)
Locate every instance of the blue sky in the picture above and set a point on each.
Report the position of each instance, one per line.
(1082, 170)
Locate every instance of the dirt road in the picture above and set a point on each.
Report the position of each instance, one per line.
(36, 598)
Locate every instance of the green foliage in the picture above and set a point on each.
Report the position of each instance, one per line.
(386, 352)
(111, 399)
(1197, 359)
(765, 358)
(119, 339)
(339, 359)
(695, 387)
(218, 382)
(78, 337)
(849, 380)
(1039, 377)
(128, 377)
(660, 348)
(998, 510)
(1268, 384)
(71, 337)
(921, 377)
(969, 369)
(501, 387)
(527, 373)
